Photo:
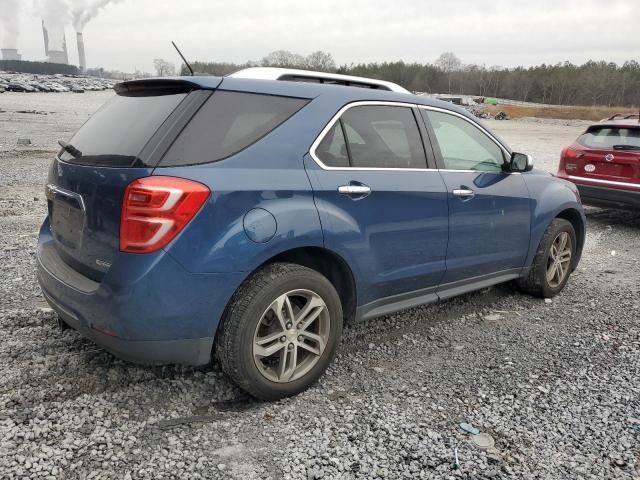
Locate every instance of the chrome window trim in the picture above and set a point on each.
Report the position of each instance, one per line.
(336, 117)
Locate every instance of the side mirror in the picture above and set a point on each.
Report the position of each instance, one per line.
(521, 162)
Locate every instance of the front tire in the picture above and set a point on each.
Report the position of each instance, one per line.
(553, 262)
(280, 331)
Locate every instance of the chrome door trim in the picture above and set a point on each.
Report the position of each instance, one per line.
(336, 117)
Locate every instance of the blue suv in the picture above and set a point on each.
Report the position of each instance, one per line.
(249, 216)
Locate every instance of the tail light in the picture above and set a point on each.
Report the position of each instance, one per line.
(156, 209)
(566, 156)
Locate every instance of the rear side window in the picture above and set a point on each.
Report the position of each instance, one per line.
(228, 123)
(374, 136)
(610, 137)
(117, 132)
(332, 151)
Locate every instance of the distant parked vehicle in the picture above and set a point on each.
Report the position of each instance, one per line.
(604, 163)
(19, 87)
(249, 216)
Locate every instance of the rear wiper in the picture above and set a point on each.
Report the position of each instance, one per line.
(626, 147)
(70, 149)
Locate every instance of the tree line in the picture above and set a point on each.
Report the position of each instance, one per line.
(592, 83)
(43, 68)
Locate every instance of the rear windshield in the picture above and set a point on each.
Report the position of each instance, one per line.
(610, 137)
(117, 132)
(228, 123)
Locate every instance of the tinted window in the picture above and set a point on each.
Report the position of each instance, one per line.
(607, 137)
(227, 123)
(383, 137)
(332, 151)
(464, 146)
(117, 132)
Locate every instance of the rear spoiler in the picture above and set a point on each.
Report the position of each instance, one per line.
(165, 86)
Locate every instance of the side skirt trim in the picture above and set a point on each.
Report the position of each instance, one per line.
(403, 301)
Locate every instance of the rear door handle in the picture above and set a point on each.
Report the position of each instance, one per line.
(354, 190)
(464, 193)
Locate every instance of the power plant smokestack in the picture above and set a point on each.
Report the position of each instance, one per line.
(45, 34)
(82, 59)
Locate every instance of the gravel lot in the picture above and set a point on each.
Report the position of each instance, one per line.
(554, 384)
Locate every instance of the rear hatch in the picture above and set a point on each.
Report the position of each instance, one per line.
(121, 142)
(610, 153)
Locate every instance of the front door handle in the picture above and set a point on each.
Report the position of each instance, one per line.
(464, 193)
(354, 190)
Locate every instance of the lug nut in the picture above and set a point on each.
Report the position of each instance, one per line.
(300, 338)
(283, 339)
(299, 325)
(290, 346)
(289, 326)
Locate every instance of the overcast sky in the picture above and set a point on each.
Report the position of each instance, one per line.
(129, 34)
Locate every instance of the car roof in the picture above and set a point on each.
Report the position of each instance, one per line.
(336, 93)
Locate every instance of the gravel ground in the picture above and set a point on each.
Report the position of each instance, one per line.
(553, 384)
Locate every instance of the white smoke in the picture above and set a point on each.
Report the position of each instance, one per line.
(85, 10)
(9, 14)
(56, 14)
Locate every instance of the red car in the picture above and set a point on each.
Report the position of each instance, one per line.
(604, 163)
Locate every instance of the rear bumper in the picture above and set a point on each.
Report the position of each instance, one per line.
(609, 197)
(192, 351)
(147, 308)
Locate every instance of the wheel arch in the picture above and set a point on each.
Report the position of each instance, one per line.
(574, 217)
(327, 263)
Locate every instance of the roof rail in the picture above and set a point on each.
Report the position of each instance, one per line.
(294, 75)
(624, 116)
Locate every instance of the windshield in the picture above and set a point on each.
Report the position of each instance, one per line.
(609, 137)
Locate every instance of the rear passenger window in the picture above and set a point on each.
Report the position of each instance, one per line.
(383, 137)
(228, 123)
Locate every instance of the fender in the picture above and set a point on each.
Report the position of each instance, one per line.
(550, 196)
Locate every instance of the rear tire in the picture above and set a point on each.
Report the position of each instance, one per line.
(273, 355)
(553, 262)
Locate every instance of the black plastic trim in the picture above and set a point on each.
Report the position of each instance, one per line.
(403, 301)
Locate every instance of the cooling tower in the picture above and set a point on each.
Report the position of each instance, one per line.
(11, 54)
(56, 56)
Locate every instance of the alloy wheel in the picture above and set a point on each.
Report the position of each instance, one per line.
(291, 336)
(559, 260)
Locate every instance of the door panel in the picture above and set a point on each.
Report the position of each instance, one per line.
(394, 238)
(488, 232)
(489, 208)
(380, 207)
